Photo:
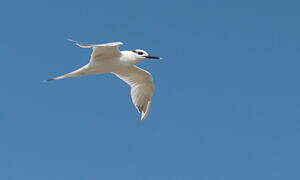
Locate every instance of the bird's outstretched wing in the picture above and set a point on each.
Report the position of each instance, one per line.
(101, 51)
(142, 88)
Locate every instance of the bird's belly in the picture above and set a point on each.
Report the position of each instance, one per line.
(104, 67)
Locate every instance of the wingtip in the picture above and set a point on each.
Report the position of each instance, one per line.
(71, 40)
(144, 115)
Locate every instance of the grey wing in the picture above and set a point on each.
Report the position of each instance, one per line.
(142, 88)
(101, 51)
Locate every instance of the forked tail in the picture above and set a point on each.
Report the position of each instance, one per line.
(59, 77)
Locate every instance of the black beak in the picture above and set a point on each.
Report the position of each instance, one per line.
(153, 57)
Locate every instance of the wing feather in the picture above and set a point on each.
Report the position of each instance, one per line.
(101, 51)
(142, 88)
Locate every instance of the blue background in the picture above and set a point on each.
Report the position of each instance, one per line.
(226, 102)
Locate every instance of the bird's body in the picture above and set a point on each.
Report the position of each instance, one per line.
(106, 58)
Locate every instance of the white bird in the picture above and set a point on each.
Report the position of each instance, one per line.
(107, 58)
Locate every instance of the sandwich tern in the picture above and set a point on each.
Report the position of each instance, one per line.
(107, 58)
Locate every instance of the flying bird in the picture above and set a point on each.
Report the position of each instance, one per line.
(107, 58)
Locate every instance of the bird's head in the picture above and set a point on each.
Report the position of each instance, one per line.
(141, 54)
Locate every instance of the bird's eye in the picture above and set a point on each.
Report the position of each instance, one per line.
(140, 53)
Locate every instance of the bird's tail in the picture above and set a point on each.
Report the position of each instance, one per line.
(59, 77)
(77, 73)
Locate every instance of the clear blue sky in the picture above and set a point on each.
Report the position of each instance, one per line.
(227, 95)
